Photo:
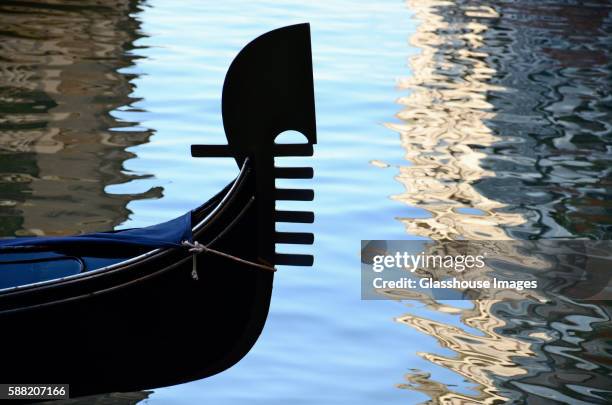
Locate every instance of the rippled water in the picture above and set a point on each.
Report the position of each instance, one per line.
(507, 126)
(503, 115)
(60, 145)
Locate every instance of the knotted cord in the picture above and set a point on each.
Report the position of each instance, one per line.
(196, 247)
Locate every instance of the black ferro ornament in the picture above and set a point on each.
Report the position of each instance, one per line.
(134, 309)
(268, 90)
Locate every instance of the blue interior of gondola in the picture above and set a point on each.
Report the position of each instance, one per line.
(32, 267)
(35, 259)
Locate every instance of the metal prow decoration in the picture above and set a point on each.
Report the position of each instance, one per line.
(269, 90)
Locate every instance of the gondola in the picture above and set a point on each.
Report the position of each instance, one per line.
(186, 299)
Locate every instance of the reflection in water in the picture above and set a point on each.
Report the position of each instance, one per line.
(506, 121)
(444, 117)
(483, 359)
(117, 398)
(507, 127)
(60, 146)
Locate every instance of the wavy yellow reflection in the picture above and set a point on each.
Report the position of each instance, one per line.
(445, 114)
(478, 358)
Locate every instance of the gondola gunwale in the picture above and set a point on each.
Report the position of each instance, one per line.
(254, 314)
(156, 254)
(119, 327)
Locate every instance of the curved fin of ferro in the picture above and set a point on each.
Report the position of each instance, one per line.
(279, 97)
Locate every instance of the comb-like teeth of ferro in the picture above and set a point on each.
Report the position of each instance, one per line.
(285, 194)
(293, 259)
(299, 217)
(294, 194)
(296, 238)
(293, 172)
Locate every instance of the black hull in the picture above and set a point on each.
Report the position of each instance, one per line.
(148, 324)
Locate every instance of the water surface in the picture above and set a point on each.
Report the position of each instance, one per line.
(441, 120)
(507, 125)
(60, 143)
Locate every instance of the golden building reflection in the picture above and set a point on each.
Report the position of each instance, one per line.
(486, 164)
(445, 115)
(481, 359)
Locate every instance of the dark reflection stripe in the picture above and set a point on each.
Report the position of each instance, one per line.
(59, 83)
(506, 123)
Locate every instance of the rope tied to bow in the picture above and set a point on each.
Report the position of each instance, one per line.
(196, 248)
